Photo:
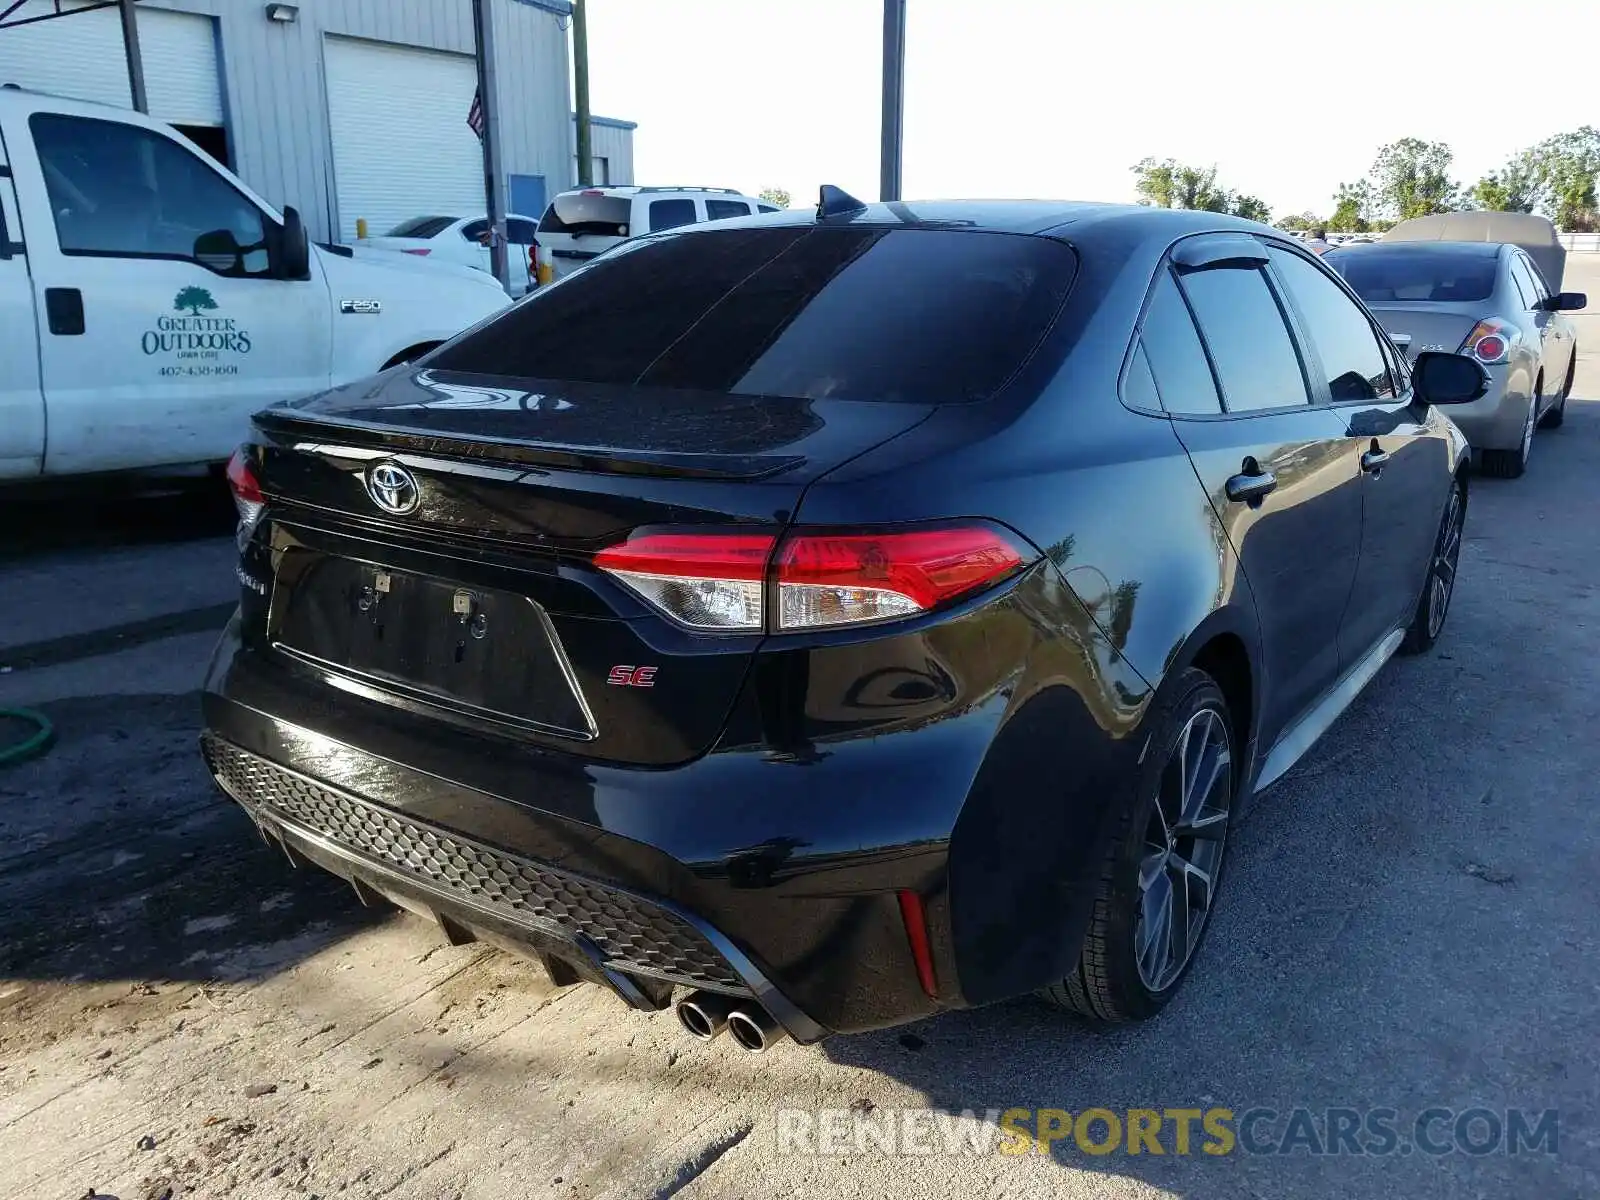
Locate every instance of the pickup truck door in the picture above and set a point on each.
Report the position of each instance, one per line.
(21, 401)
(162, 327)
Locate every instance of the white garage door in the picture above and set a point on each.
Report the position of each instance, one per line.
(401, 144)
(82, 56)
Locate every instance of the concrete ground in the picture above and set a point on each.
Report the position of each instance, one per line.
(1409, 922)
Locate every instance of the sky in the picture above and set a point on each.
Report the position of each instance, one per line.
(1059, 98)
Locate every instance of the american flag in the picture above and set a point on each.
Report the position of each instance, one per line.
(475, 114)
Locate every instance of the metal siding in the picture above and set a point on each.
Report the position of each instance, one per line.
(81, 56)
(275, 94)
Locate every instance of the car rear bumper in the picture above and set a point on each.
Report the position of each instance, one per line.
(724, 874)
(1495, 420)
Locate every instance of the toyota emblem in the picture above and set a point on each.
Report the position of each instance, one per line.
(393, 488)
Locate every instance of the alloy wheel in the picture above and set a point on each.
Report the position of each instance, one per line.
(1182, 857)
(1442, 579)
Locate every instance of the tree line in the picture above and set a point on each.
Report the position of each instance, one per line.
(1410, 178)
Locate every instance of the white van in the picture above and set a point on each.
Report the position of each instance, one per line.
(150, 302)
(583, 223)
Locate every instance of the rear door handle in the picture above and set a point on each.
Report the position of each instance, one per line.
(1373, 460)
(1250, 487)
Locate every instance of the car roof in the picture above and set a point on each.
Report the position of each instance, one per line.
(1072, 219)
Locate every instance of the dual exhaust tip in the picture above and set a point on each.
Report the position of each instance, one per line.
(704, 1015)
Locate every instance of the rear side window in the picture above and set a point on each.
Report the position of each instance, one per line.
(1176, 357)
(1527, 281)
(767, 207)
(475, 231)
(1413, 274)
(917, 315)
(718, 210)
(421, 227)
(669, 214)
(1257, 364)
(1352, 360)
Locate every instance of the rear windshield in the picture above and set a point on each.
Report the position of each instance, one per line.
(580, 215)
(1409, 273)
(421, 227)
(929, 316)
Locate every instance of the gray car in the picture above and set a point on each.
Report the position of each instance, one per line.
(1486, 299)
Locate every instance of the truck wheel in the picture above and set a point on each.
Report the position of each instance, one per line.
(1158, 883)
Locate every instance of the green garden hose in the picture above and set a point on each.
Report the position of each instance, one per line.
(34, 743)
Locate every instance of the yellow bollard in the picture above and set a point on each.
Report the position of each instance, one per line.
(361, 227)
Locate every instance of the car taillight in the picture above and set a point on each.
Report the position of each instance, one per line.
(420, 251)
(824, 578)
(829, 578)
(1490, 340)
(246, 489)
(702, 580)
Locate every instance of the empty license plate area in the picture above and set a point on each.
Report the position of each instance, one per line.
(444, 642)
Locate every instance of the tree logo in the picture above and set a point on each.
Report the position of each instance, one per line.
(192, 300)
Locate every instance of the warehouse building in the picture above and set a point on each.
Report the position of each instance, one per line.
(346, 109)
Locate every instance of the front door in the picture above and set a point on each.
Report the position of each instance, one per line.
(1281, 474)
(162, 329)
(1403, 454)
(21, 402)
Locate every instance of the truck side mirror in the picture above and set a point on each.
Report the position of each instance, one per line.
(292, 254)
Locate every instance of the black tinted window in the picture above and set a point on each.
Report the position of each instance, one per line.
(475, 231)
(1177, 360)
(1244, 329)
(1139, 388)
(1345, 340)
(117, 189)
(717, 210)
(520, 232)
(669, 214)
(1400, 273)
(861, 314)
(1528, 282)
(421, 227)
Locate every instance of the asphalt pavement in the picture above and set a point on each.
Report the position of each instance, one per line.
(1408, 924)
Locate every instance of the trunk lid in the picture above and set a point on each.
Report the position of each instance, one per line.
(1431, 325)
(480, 604)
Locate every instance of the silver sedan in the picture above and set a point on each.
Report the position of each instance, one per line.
(1487, 299)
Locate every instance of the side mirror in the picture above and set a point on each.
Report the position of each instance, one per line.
(1565, 302)
(292, 255)
(1448, 378)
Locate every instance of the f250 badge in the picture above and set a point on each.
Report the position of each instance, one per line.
(360, 308)
(627, 675)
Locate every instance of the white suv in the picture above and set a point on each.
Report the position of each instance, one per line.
(580, 224)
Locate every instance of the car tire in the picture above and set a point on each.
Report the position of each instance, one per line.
(1440, 585)
(1511, 464)
(1122, 973)
(1557, 416)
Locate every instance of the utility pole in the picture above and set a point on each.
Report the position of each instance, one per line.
(483, 32)
(580, 92)
(894, 97)
(130, 42)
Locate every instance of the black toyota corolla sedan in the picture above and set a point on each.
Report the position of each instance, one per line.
(831, 618)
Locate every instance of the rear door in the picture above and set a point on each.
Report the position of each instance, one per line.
(1554, 331)
(1404, 456)
(1280, 472)
(21, 400)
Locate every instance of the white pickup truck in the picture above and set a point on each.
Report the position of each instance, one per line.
(150, 302)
